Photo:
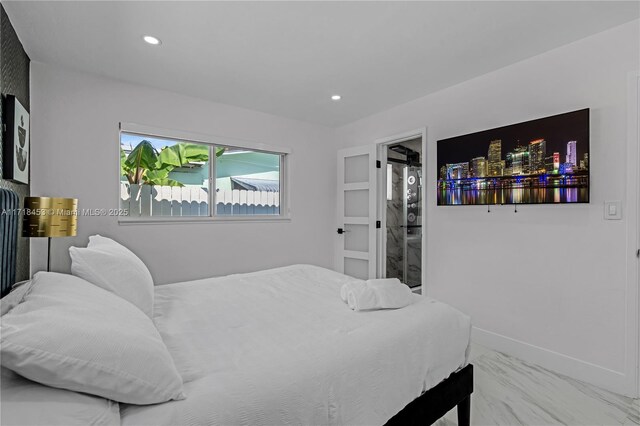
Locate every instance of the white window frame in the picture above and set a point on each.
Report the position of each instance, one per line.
(213, 141)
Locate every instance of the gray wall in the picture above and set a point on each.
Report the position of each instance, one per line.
(78, 115)
(551, 284)
(14, 80)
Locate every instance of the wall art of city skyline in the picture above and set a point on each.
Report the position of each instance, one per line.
(543, 161)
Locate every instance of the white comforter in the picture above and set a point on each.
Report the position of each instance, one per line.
(280, 347)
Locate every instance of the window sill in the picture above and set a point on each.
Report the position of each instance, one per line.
(200, 219)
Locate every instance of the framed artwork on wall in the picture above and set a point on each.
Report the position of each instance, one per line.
(543, 161)
(16, 142)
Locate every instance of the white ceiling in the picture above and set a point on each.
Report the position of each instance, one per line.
(288, 58)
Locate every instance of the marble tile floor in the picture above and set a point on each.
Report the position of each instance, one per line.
(509, 391)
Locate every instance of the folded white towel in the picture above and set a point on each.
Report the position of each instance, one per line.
(351, 285)
(393, 296)
(362, 298)
(379, 297)
(383, 282)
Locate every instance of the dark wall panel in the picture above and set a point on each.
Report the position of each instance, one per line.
(14, 80)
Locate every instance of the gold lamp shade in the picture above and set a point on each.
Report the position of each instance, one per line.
(50, 217)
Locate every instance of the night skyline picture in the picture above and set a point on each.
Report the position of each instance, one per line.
(543, 161)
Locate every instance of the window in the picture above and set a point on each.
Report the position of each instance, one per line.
(247, 182)
(165, 178)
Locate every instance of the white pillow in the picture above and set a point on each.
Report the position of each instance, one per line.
(14, 298)
(115, 268)
(31, 404)
(69, 334)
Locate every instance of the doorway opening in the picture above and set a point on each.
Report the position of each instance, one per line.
(363, 206)
(401, 208)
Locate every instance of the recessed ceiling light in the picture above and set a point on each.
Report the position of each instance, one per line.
(336, 97)
(152, 40)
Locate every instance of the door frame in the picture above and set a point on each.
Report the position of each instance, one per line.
(636, 115)
(632, 365)
(381, 199)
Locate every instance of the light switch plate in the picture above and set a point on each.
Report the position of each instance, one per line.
(613, 210)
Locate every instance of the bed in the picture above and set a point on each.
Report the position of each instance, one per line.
(280, 347)
(266, 348)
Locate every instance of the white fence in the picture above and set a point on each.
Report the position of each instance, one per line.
(191, 200)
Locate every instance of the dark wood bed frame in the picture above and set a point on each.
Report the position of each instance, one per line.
(436, 402)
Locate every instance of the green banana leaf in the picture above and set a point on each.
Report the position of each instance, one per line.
(124, 168)
(145, 165)
(160, 178)
(143, 156)
(180, 154)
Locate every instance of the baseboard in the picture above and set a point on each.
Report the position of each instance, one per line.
(605, 378)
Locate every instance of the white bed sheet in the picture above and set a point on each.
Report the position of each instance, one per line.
(280, 347)
(27, 403)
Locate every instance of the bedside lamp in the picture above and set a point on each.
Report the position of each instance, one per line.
(50, 217)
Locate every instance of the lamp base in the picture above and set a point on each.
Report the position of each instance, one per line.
(48, 254)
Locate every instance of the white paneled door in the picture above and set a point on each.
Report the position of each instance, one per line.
(357, 178)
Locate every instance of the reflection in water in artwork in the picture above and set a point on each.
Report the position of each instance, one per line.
(467, 196)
